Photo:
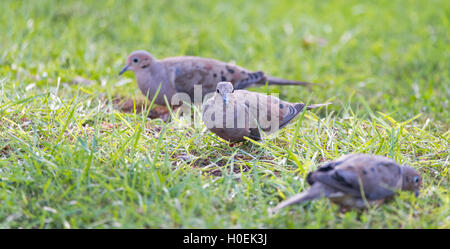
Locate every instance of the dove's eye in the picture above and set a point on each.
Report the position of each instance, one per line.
(416, 179)
(218, 91)
(135, 60)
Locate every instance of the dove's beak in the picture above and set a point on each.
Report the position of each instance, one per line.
(124, 69)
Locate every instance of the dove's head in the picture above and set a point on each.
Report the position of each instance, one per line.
(412, 181)
(138, 60)
(224, 89)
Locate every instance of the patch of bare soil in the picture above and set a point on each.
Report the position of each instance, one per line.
(4, 151)
(128, 105)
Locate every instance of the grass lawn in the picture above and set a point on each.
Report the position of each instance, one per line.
(70, 159)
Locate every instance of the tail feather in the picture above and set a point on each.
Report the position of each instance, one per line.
(293, 112)
(298, 198)
(315, 192)
(278, 81)
(317, 105)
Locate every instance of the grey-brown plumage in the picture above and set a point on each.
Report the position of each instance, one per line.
(244, 113)
(180, 74)
(357, 181)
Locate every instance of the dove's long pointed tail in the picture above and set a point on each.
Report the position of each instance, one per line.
(315, 192)
(317, 105)
(278, 81)
(298, 198)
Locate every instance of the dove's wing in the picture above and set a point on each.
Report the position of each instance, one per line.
(265, 109)
(288, 112)
(261, 110)
(329, 166)
(247, 79)
(191, 70)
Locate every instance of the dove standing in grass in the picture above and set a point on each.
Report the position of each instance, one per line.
(235, 114)
(357, 181)
(180, 74)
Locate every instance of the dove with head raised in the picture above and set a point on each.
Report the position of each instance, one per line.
(235, 114)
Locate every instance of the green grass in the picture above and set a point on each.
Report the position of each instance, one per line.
(68, 158)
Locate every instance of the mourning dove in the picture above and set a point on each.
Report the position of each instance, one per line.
(235, 114)
(180, 74)
(357, 181)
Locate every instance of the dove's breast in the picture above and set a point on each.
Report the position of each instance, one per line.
(150, 80)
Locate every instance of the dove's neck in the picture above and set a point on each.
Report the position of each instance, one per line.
(227, 103)
(153, 77)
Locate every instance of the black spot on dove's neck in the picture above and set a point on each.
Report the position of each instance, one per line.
(325, 168)
(329, 166)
